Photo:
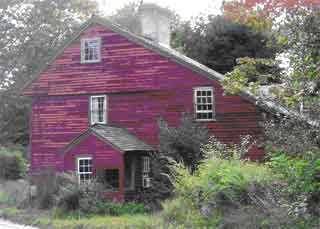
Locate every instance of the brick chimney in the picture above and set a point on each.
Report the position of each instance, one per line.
(155, 23)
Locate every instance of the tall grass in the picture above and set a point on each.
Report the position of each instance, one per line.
(224, 192)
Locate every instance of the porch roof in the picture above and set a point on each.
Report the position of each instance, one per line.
(115, 136)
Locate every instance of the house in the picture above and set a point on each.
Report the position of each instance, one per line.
(96, 104)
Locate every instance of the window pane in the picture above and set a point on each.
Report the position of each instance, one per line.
(204, 104)
(91, 49)
(112, 179)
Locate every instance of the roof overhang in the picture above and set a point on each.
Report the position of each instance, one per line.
(116, 137)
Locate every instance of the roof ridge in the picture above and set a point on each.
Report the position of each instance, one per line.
(173, 55)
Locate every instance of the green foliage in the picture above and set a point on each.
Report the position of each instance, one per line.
(217, 149)
(10, 212)
(112, 222)
(161, 182)
(182, 213)
(31, 32)
(12, 164)
(298, 45)
(183, 143)
(226, 193)
(218, 42)
(250, 73)
(6, 198)
(298, 173)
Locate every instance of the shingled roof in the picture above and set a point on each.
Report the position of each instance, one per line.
(117, 137)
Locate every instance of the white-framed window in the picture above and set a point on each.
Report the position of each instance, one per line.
(204, 103)
(146, 180)
(84, 169)
(98, 109)
(91, 50)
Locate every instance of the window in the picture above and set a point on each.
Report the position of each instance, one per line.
(90, 50)
(204, 104)
(98, 109)
(84, 169)
(146, 180)
(112, 179)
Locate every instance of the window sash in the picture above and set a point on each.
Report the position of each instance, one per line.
(145, 164)
(98, 109)
(84, 169)
(91, 50)
(204, 103)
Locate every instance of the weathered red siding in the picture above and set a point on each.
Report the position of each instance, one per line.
(141, 86)
(103, 156)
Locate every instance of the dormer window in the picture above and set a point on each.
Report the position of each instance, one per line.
(91, 50)
(98, 109)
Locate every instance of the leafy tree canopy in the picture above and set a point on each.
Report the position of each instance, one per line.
(30, 32)
(217, 42)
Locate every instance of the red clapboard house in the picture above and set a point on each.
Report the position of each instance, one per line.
(96, 104)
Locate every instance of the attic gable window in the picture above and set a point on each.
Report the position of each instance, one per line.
(98, 109)
(91, 50)
(204, 103)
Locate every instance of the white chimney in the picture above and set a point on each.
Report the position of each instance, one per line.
(155, 23)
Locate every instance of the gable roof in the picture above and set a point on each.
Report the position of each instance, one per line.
(265, 104)
(119, 138)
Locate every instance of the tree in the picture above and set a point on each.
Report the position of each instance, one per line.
(300, 90)
(217, 42)
(128, 16)
(184, 143)
(30, 32)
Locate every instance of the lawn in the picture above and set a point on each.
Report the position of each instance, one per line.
(46, 221)
(124, 221)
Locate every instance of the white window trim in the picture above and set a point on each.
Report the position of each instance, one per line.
(146, 169)
(104, 104)
(78, 167)
(83, 40)
(195, 90)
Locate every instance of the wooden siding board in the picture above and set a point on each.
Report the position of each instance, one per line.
(141, 85)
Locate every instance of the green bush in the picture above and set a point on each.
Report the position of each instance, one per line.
(302, 185)
(299, 173)
(7, 199)
(229, 193)
(183, 213)
(12, 164)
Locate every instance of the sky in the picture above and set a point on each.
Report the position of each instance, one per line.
(186, 8)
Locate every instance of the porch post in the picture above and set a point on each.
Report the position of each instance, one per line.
(121, 179)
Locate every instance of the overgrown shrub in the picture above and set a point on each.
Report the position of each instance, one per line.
(47, 187)
(12, 164)
(234, 193)
(215, 148)
(302, 189)
(183, 143)
(161, 183)
(88, 198)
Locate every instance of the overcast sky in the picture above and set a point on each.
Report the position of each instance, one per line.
(186, 8)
